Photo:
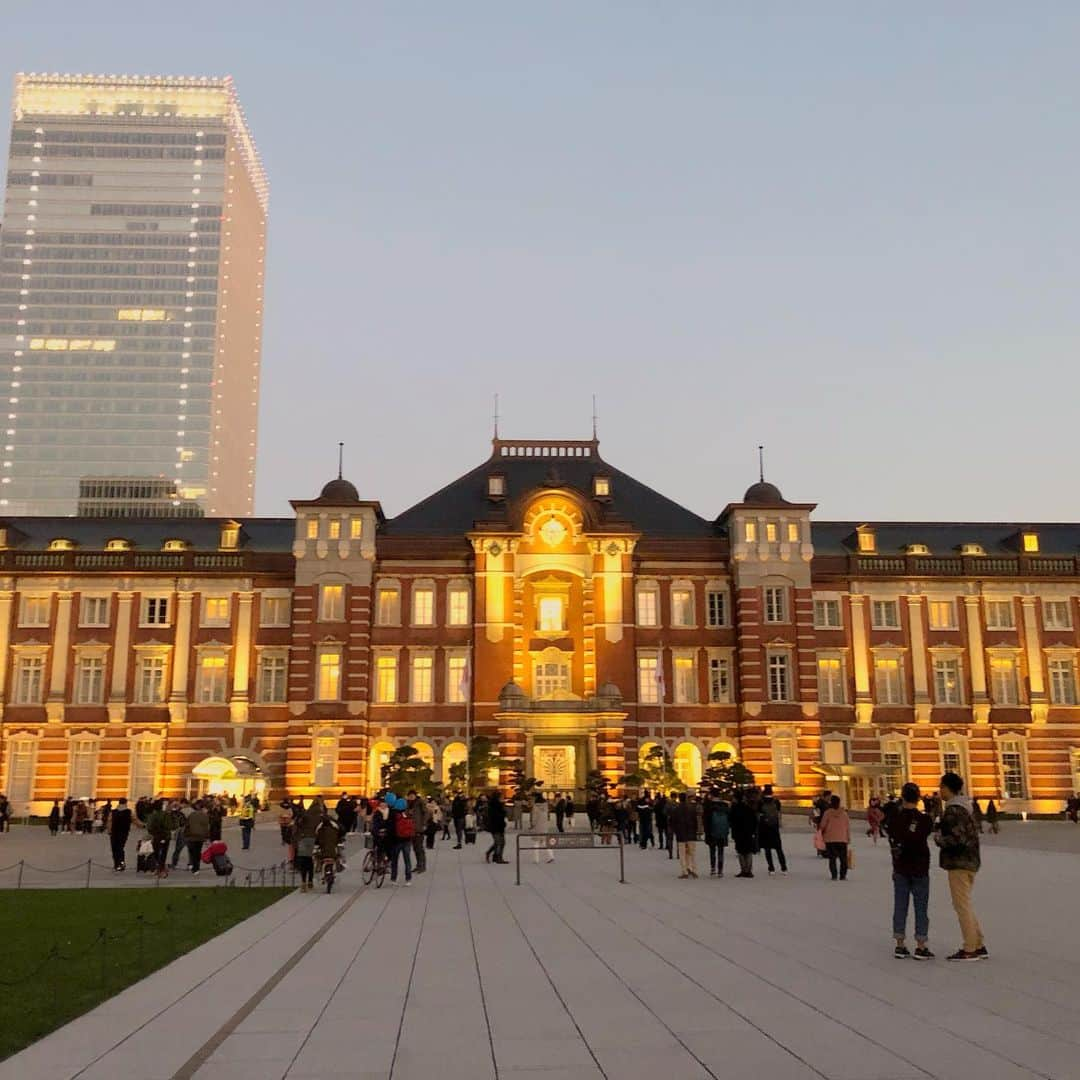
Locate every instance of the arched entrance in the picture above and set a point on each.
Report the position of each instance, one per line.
(222, 775)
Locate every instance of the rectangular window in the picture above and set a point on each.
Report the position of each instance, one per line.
(334, 529)
(457, 606)
(750, 532)
(34, 611)
(716, 608)
(144, 763)
(550, 615)
(211, 681)
(150, 680)
(1000, 615)
(885, 615)
(21, 771)
(324, 752)
(830, 678)
(648, 680)
(1057, 614)
(356, 528)
(827, 614)
(423, 606)
(215, 610)
(784, 760)
(647, 614)
(1004, 685)
(719, 680)
(332, 603)
(779, 668)
(275, 610)
(952, 757)
(775, 604)
(1012, 771)
(389, 613)
(682, 607)
(456, 679)
(887, 681)
(273, 675)
(1062, 682)
(94, 611)
(685, 680)
(155, 611)
(770, 532)
(82, 777)
(550, 677)
(386, 680)
(942, 614)
(313, 528)
(329, 687)
(947, 689)
(793, 532)
(894, 758)
(423, 688)
(29, 673)
(90, 681)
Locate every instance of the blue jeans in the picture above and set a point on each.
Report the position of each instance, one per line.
(403, 848)
(918, 888)
(245, 834)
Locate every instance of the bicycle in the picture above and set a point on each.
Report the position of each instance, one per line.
(376, 865)
(329, 872)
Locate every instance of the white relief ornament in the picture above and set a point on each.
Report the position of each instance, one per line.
(553, 531)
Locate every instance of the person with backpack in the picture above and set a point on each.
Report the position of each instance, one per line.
(958, 838)
(909, 830)
(769, 819)
(402, 830)
(418, 812)
(717, 831)
(744, 833)
(196, 833)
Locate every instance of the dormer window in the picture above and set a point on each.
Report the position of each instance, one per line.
(1030, 542)
(175, 545)
(916, 549)
(770, 532)
(61, 544)
(793, 532)
(601, 487)
(972, 549)
(230, 536)
(334, 529)
(312, 529)
(496, 486)
(356, 528)
(750, 532)
(867, 541)
(118, 544)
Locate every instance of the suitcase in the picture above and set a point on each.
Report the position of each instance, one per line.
(222, 865)
(470, 836)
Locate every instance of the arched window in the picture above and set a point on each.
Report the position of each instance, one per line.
(378, 756)
(453, 754)
(687, 764)
(724, 748)
(427, 754)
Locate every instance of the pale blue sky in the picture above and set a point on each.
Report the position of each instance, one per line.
(851, 235)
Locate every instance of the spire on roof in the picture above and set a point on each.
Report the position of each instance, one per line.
(340, 459)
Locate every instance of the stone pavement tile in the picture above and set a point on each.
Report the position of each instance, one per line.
(562, 1072)
(262, 1019)
(260, 1046)
(342, 1056)
(243, 1070)
(541, 1053)
(672, 1062)
(748, 1056)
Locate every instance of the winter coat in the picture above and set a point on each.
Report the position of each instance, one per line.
(835, 827)
(743, 828)
(958, 836)
(717, 824)
(683, 822)
(496, 816)
(198, 825)
(908, 833)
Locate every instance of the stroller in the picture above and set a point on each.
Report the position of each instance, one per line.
(144, 857)
(470, 828)
(216, 855)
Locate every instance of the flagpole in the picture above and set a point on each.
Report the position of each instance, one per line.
(468, 722)
(662, 679)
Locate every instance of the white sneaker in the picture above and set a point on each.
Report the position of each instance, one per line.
(408, 882)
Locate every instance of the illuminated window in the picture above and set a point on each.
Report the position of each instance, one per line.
(329, 677)
(150, 680)
(496, 487)
(685, 673)
(682, 607)
(947, 687)
(313, 528)
(141, 315)
(215, 611)
(324, 756)
(272, 678)
(867, 541)
(779, 674)
(601, 487)
(917, 549)
(942, 614)
(648, 605)
(775, 604)
(145, 756)
(334, 528)
(830, 680)
(1062, 681)
(551, 615)
(356, 528)
(1004, 682)
(386, 680)
(423, 606)
(34, 611)
(457, 679)
(210, 688)
(90, 680)
(118, 544)
(94, 611)
(952, 757)
(827, 613)
(29, 675)
(389, 609)
(551, 674)
(784, 755)
(1031, 543)
(61, 545)
(750, 532)
(650, 680)
(885, 614)
(104, 346)
(83, 768)
(887, 681)
(1013, 782)
(895, 759)
(332, 603)
(230, 536)
(793, 532)
(457, 606)
(1000, 615)
(972, 549)
(1057, 614)
(770, 532)
(422, 689)
(686, 762)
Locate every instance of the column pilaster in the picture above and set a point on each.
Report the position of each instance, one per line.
(178, 703)
(860, 658)
(919, 673)
(117, 704)
(1040, 704)
(54, 704)
(239, 702)
(980, 701)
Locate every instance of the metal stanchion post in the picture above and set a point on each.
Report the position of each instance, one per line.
(89, 865)
(18, 883)
(622, 864)
(517, 859)
(103, 937)
(140, 925)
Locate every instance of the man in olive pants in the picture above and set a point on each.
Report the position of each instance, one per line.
(958, 838)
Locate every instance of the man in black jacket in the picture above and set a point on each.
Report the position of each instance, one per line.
(909, 832)
(119, 830)
(496, 821)
(458, 809)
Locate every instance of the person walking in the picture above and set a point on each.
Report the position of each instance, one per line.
(497, 828)
(717, 828)
(909, 831)
(660, 815)
(645, 821)
(180, 813)
(402, 832)
(560, 812)
(196, 833)
(458, 809)
(836, 832)
(977, 814)
(684, 823)
(159, 829)
(247, 824)
(346, 813)
(418, 812)
(744, 825)
(958, 839)
(874, 818)
(992, 817)
(770, 814)
(434, 823)
(541, 823)
(119, 830)
(571, 809)
(307, 828)
(54, 818)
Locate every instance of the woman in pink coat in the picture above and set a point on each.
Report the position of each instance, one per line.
(836, 832)
(874, 817)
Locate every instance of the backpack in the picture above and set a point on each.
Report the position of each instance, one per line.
(770, 813)
(404, 826)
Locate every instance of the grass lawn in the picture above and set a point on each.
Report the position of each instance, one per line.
(66, 950)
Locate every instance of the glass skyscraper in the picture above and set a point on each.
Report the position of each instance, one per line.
(131, 292)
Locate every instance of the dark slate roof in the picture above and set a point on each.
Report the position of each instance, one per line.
(944, 537)
(764, 494)
(463, 504)
(148, 534)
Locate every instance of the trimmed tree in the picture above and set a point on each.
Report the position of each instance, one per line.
(725, 775)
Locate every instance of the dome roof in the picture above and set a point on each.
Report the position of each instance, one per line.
(339, 491)
(764, 494)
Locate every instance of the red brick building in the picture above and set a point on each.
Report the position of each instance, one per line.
(556, 604)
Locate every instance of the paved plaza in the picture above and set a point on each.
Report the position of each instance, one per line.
(572, 975)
